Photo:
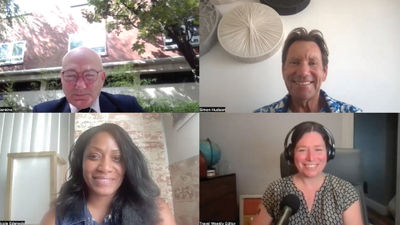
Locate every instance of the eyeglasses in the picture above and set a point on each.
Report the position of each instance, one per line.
(71, 76)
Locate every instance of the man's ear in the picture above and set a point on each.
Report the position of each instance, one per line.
(61, 78)
(103, 76)
(283, 67)
(325, 71)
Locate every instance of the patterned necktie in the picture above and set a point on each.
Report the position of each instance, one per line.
(86, 110)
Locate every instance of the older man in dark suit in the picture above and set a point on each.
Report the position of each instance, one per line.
(82, 78)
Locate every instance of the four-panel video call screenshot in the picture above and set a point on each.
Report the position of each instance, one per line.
(199, 112)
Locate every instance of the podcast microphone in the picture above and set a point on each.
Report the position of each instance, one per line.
(289, 206)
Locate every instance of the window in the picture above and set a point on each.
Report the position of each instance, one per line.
(94, 37)
(12, 53)
(93, 41)
(91, 35)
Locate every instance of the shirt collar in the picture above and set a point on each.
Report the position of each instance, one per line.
(95, 106)
(326, 106)
(322, 94)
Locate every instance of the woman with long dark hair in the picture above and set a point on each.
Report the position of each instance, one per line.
(109, 184)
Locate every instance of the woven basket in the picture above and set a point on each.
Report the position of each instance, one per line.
(251, 32)
(209, 18)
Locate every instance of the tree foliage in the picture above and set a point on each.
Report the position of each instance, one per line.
(152, 18)
(9, 11)
(14, 100)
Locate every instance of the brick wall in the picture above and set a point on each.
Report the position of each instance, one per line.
(185, 188)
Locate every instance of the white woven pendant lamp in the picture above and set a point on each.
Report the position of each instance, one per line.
(251, 32)
(209, 18)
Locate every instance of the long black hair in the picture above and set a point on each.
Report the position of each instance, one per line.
(136, 199)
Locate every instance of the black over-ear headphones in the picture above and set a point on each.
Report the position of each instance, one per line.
(289, 148)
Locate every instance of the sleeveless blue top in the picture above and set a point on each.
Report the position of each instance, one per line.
(82, 216)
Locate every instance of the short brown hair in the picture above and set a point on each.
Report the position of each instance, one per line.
(301, 34)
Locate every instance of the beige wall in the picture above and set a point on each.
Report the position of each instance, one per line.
(182, 138)
(185, 187)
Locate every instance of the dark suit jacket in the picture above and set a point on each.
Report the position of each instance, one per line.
(108, 103)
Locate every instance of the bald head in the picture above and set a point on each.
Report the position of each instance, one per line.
(82, 92)
(85, 54)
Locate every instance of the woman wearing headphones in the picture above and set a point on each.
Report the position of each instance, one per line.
(324, 198)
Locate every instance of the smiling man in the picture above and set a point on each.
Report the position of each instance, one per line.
(82, 78)
(304, 68)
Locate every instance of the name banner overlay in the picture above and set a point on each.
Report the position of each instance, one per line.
(6, 109)
(218, 223)
(212, 109)
(12, 222)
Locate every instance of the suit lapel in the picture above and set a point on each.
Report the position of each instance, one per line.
(63, 106)
(106, 105)
(66, 107)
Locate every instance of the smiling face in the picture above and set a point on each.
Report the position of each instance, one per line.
(310, 155)
(103, 169)
(82, 94)
(303, 71)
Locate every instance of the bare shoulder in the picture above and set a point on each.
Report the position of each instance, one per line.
(49, 218)
(262, 217)
(165, 214)
(353, 214)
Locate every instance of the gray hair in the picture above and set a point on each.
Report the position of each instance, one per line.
(301, 34)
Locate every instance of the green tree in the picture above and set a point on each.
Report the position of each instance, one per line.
(152, 18)
(9, 11)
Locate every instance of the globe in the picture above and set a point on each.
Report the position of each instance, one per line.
(210, 151)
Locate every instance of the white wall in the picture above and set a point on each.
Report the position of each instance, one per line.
(182, 138)
(252, 143)
(363, 40)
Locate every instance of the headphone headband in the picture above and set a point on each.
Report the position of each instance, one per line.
(288, 148)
